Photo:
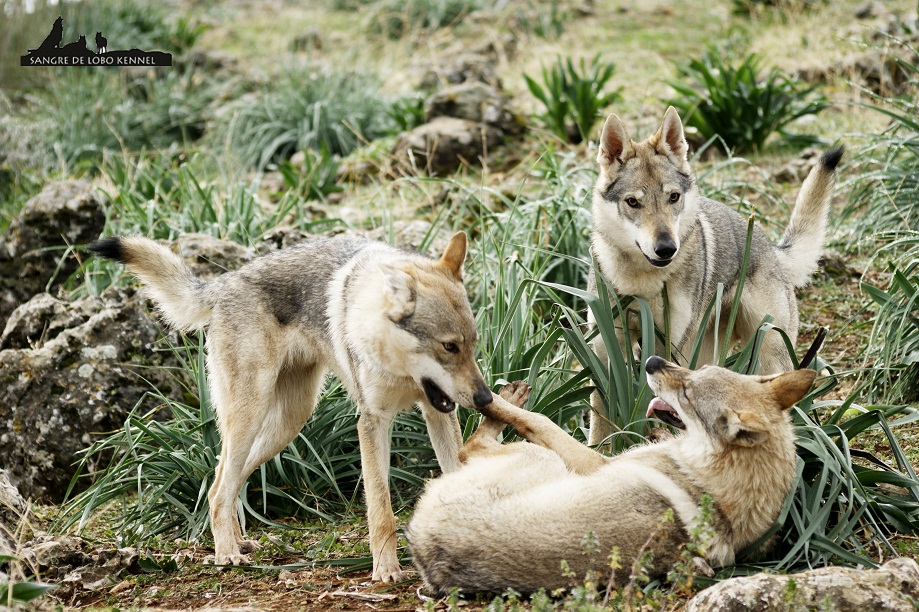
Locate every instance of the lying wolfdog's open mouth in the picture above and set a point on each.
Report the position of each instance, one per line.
(436, 396)
(663, 411)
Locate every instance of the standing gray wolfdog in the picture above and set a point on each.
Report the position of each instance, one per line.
(394, 326)
(514, 513)
(652, 229)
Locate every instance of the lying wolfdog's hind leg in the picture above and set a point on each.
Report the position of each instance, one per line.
(484, 441)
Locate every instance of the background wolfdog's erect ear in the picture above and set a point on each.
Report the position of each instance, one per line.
(670, 138)
(615, 144)
(790, 387)
(454, 255)
(399, 290)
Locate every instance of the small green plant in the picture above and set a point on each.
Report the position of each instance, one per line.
(406, 113)
(738, 104)
(308, 108)
(318, 177)
(397, 18)
(573, 96)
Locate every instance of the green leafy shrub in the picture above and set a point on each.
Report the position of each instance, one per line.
(307, 108)
(738, 105)
(397, 18)
(573, 96)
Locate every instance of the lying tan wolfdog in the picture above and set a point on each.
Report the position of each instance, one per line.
(515, 512)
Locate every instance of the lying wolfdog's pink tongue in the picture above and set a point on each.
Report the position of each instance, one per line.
(659, 404)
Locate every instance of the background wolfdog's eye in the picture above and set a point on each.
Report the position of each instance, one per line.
(674, 197)
(632, 202)
(451, 347)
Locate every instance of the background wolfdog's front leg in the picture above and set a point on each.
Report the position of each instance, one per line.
(539, 429)
(373, 436)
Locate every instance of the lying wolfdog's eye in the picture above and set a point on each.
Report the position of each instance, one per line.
(632, 202)
(674, 197)
(451, 347)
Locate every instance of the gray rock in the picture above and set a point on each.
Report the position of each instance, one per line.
(34, 251)
(892, 587)
(444, 144)
(60, 394)
(474, 102)
(40, 319)
(871, 10)
(12, 509)
(463, 68)
(76, 564)
(412, 235)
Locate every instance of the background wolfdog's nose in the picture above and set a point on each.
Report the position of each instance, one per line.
(482, 395)
(665, 249)
(654, 364)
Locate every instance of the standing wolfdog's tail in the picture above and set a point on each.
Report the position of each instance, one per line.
(184, 300)
(801, 244)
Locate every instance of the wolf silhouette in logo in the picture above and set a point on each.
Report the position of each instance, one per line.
(101, 42)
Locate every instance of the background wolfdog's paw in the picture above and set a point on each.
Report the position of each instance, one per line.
(231, 559)
(515, 392)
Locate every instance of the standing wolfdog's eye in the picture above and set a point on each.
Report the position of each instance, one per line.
(674, 197)
(451, 347)
(632, 202)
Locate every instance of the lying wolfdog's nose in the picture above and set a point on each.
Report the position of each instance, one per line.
(482, 395)
(654, 364)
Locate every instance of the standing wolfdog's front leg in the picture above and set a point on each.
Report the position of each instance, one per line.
(539, 429)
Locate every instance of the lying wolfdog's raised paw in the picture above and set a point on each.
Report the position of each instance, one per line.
(516, 392)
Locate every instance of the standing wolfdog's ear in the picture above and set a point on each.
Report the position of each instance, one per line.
(790, 387)
(399, 289)
(670, 140)
(615, 145)
(454, 255)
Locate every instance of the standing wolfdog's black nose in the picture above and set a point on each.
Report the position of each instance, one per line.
(654, 364)
(482, 395)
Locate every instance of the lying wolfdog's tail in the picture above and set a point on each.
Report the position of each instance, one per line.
(801, 245)
(184, 300)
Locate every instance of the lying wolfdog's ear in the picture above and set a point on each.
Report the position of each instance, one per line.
(399, 289)
(790, 387)
(746, 429)
(669, 139)
(615, 145)
(454, 255)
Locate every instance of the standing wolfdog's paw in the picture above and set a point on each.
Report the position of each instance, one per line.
(516, 392)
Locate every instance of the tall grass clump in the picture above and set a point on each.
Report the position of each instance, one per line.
(739, 104)
(893, 348)
(573, 96)
(885, 195)
(85, 113)
(306, 108)
(165, 194)
(160, 471)
(397, 18)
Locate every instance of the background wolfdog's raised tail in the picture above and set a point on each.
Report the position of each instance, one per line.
(801, 244)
